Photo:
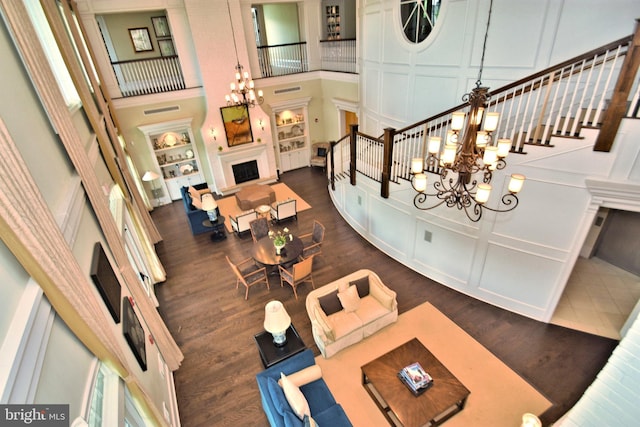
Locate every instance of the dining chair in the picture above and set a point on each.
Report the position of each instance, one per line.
(313, 241)
(259, 228)
(298, 273)
(248, 273)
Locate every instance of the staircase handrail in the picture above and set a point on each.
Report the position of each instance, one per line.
(577, 59)
(556, 101)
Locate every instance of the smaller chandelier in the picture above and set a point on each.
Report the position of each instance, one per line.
(242, 90)
(465, 160)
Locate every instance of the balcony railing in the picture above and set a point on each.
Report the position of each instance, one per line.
(283, 59)
(148, 76)
(291, 58)
(164, 74)
(338, 55)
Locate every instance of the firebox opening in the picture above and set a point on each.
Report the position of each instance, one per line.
(247, 171)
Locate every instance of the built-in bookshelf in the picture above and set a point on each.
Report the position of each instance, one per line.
(291, 134)
(175, 157)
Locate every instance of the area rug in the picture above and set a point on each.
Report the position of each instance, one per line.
(498, 396)
(228, 205)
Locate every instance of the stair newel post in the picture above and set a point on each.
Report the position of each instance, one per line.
(332, 169)
(618, 105)
(353, 139)
(387, 161)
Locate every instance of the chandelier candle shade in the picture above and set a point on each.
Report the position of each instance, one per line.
(466, 163)
(242, 88)
(276, 322)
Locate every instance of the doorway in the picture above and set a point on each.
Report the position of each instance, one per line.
(347, 116)
(350, 118)
(604, 287)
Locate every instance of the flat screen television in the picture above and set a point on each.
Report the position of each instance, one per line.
(106, 281)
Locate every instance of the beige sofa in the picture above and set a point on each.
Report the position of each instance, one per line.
(334, 327)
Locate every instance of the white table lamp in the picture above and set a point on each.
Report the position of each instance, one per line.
(276, 322)
(150, 176)
(209, 204)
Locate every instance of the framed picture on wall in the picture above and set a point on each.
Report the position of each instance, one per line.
(140, 39)
(105, 279)
(161, 26)
(134, 333)
(237, 125)
(166, 47)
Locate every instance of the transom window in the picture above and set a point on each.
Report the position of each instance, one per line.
(418, 18)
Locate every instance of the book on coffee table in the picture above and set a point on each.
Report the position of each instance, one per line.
(415, 378)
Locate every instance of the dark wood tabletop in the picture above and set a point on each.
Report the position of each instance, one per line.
(442, 400)
(264, 252)
(270, 354)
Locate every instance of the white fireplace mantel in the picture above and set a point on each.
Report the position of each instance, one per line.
(257, 152)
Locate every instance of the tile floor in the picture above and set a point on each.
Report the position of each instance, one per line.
(598, 298)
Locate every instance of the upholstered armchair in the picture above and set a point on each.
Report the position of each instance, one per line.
(319, 153)
(240, 222)
(285, 209)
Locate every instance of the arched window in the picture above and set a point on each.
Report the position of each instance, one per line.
(418, 17)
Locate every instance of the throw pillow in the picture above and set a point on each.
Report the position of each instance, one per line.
(343, 286)
(295, 397)
(196, 202)
(277, 396)
(194, 193)
(349, 299)
(322, 152)
(363, 286)
(304, 376)
(330, 303)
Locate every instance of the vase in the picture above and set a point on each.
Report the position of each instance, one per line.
(278, 248)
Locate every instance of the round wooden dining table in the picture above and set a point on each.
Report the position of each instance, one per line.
(264, 252)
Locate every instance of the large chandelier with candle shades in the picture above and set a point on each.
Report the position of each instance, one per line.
(467, 161)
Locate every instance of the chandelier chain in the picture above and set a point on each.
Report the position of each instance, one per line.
(484, 46)
(233, 34)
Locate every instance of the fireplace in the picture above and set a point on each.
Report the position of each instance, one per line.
(247, 171)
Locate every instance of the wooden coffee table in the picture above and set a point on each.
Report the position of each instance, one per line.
(445, 398)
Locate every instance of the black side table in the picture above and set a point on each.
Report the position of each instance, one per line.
(270, 354)
(218, 232)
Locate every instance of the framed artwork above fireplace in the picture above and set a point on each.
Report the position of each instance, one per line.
(237, 125)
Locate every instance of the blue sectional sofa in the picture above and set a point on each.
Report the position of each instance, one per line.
(195, 216)
(324, 409)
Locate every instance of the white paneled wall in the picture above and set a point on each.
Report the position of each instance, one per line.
(613, 397)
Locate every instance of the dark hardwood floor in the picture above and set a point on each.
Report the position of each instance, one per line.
(214, 326)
